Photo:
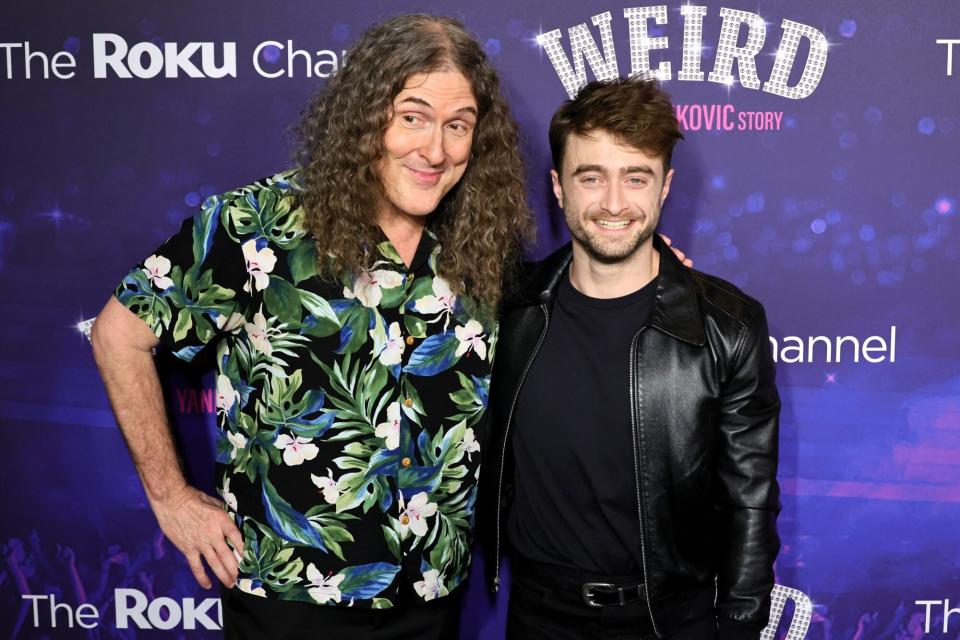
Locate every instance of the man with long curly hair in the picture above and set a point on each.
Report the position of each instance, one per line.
(351, 306)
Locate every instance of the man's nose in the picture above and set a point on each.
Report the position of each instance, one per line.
(613, 201)
(432, 148)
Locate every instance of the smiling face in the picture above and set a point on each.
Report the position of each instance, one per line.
(427, 143)
(611, 195)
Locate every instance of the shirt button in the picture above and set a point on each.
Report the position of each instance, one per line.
(404, 519)
(408, 402)
(405, 462)
(409, 339)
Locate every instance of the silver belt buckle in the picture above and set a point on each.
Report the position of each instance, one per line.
(589, 587)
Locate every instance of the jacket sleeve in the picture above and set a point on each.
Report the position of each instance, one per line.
(747, 496)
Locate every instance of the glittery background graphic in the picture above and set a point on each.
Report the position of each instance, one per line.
(842, 221)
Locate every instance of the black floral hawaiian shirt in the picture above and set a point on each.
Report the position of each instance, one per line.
(347, 409)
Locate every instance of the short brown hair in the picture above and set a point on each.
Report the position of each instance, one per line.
(635, 111)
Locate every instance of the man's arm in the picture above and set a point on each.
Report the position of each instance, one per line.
(747, 495)
(193, 521)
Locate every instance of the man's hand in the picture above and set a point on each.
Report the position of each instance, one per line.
(198, 526)
(681, 256)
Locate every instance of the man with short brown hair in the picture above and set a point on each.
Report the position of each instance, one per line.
(634, 407)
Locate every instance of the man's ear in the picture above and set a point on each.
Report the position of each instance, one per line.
(666, 186)
(557, 189)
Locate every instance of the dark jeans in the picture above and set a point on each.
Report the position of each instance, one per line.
(247, 617)
(554, 609)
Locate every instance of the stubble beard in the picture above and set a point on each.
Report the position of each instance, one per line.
(610, 252)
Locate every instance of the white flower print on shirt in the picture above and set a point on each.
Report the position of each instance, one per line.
(227, 396)
(390, 352)
(367, 288)
(390, 430)
(470, 337)
(258, 334)
(324, 589)
(431, 587)
(442, 299)
(259, 265)
(327, 486)
(238, 440)
(157, 267)
(470, 444)
(414, 516)
(296, 450)
(228, 498)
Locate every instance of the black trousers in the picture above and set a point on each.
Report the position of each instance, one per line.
(545, 607)
(247, 617)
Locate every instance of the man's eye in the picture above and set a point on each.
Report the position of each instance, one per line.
(458, 128)
(637, 181)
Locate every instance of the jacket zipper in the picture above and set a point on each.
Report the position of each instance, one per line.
(506, 439)
(636, 471)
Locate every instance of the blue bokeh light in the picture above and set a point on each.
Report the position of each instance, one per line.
(755, 202)
(848, 28)
(873, 115)
(492, 47)
(270, 53)
(848, 140)
(897, 244)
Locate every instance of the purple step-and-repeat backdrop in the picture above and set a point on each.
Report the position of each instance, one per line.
(820, 172)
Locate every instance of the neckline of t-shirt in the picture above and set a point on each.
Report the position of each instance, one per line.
(571, 294)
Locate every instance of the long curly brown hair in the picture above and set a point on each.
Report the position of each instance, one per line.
(481, 224)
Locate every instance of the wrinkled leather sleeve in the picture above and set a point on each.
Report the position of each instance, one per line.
(747, 496)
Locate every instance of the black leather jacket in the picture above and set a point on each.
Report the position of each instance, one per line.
(705, 415)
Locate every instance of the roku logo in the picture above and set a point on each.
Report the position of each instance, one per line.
(147, 60)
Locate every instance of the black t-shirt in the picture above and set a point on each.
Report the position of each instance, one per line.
(576, 503)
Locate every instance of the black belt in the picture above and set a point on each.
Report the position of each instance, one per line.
(607, 594)
(593, 591)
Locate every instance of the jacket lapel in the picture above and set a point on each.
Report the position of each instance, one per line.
(676, 311)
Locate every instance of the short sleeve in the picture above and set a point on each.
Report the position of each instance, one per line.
(189, 291)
